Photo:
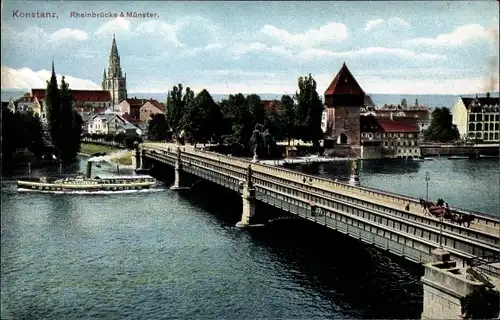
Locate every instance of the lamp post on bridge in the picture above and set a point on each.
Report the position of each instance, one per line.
(427, 179)
(441, 232)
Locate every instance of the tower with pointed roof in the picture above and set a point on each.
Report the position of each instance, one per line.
(114, 80)
(344, 99)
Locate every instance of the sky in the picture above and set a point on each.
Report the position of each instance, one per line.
(398, 47)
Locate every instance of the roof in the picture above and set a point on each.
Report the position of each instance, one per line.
(106, 117)
(483, 101)
(134, 102)
(156, 104)
(79, 95)
(271, 104)
(369, 123)
(369, 101)
(398, 125)
(85, 116)
(128, 118)
(128, 126)
(421, 114)
(344, 83)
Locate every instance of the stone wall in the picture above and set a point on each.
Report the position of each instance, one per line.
(443, 288)
(458, 151)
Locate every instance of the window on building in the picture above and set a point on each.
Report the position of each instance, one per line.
(486, 117)
(385, 143)
(479, 127)
(491, 126)
(496, 135)
(497, 117)
(472, 117)
(479, 117)
(496, 126)
(472, 127)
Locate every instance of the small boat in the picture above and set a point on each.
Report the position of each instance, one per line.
(458, 157)
(428, 159)
(484, 156)
(80, 183)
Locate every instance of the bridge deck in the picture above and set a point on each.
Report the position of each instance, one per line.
(415, 207)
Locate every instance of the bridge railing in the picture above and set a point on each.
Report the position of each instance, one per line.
(372, 192)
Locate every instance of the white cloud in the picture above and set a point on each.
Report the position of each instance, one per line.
(159, 29)
(408, 85)
(373, 23)
(26, 78)
(117, 25)
(67, 33)
(457, 37)
(35, 33)
(371, 84)
(392, 22)
(332, 32)
(372, 51)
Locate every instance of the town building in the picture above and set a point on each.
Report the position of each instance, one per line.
(114, 81)
(105, 123)
(389, 137)
(344, 99)
(150, 108)
(131, 107)
(477, 119)
(421, 113)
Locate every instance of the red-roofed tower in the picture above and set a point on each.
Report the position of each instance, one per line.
(343, 100)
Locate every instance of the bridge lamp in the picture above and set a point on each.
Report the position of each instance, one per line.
(427, 179)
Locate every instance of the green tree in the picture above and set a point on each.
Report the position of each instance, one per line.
(404, 104)
(237, 121)
(158, 127)
(202, 119)
(287, 110)
(256, 109)
(481, 304)
(309, 111)
(53, 107)
(65, 124)
(441, 128)
(177, 101)
(20, 131)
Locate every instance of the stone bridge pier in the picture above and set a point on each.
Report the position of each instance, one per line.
(248, 197)
(178, 178)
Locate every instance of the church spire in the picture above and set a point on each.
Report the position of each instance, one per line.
(114, 49)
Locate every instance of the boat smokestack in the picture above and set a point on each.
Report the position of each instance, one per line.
(89, 169)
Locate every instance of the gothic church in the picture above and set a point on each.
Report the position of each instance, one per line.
(114, 81)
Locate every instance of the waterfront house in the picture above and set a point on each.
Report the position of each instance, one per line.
(149, 108)
(132, 107)
(105, 123)
(421, 113)
(400, 136)
(389, 137)
(9, 105)
(477, 119)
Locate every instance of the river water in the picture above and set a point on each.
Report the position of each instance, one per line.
(165, 255)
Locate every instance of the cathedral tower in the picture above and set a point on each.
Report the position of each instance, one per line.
(114, 81)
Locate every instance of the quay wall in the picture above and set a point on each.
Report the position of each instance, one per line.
(446, 150)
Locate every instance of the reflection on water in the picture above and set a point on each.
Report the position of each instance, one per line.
(469, 184)
(166, 255)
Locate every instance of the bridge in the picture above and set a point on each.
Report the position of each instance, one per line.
(373, 216)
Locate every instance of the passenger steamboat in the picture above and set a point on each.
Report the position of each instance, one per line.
(87, 184)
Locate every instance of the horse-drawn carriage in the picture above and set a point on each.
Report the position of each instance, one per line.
(442, 210)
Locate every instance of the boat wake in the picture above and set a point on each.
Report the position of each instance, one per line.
(100, 192)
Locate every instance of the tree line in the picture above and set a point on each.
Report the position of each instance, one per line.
(241, 122)
(23, 131)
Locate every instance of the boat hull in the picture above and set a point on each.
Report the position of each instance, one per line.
(29, 186)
